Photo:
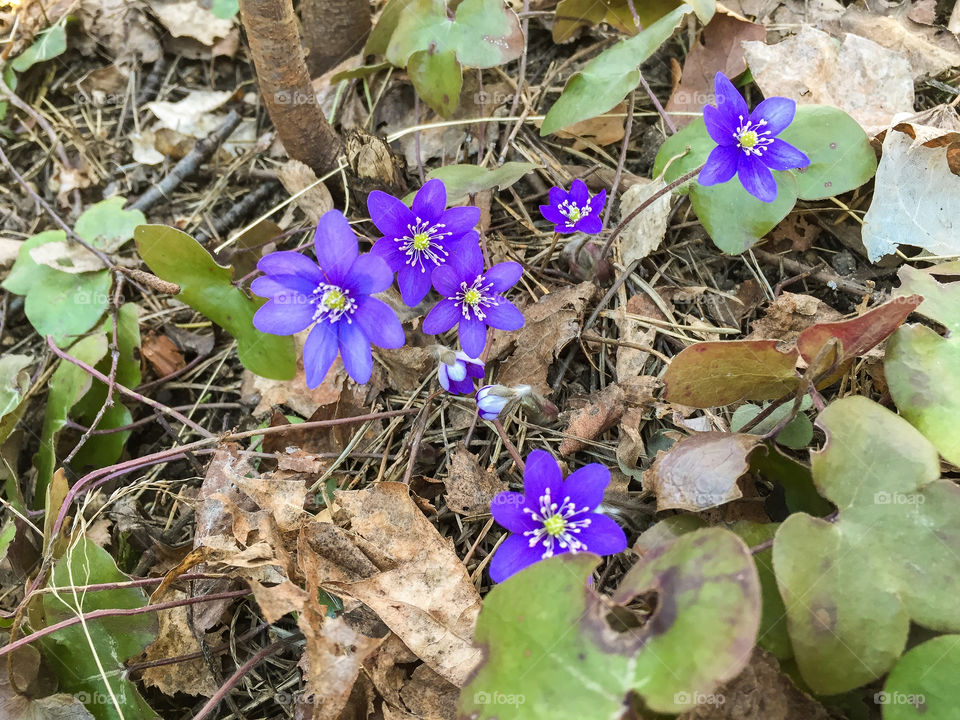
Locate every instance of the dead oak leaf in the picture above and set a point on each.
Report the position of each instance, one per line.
(174, 638)
(470, 488)
(600, 412)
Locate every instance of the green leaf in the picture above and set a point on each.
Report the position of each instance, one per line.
(711, 374)
(225, 9)
(103, 450)
(14, 383)
(852, 586)
(734, 218)
(49, 44)
(800, 495)
(923, 683)
(60, 304)
(76, 653)
(796, 435)
(555, 646)
(462, 181)
(437, 78)
(923, 372)
(841, 157)
(941, 302)
(68, 384)
(107, 226)
(380, 36)
(607, 79)
(208, 288)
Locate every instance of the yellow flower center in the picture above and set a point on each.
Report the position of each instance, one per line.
(748, 139)
(472, 296)
(555, 525)
(334, 300)
(421, 241)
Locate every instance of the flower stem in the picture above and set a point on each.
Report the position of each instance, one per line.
(553, 244)
(645, 204)
(511, 448)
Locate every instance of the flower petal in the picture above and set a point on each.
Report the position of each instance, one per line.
(603, 536)
(720, 126)
(507, 509)
(781, 155)
(540, 473)
(379, 322)
(287, 262)
(721, 165)
(414, 283)
(443, 376)
(461, 387)
(336, 246)
(442, 316)
(355, 351)
(557, 195)
(585, 486)
(388, 250)
(504, 316)
(469, 242)
(269, 286)
(778, 113)
(729, 101)
(552, 215)
(319, 352)
(368, 274)
(513, 555)
(503, 276)
(597, 202)
(389, 214)
(590, 225)
(579, 194)
(445, 281)
(460, 220)
(430, 200)
(467, 264)
(286, 315)
(473, 336)
(757, 179)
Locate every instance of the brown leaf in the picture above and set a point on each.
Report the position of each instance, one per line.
(429, 697)
(700, 471)
(600, 412)
(470, 488)
(551, 322)
(602, 130)
(426, 598)
(163, 355)
(314, 198)
(174, 638)
(789, 315)
(719, 49)
(406, 366)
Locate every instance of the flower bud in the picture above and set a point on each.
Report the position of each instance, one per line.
(492, 400)
(457, 371)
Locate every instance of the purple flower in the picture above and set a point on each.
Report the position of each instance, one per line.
(457, 372)
(553, 516)
(747, 145)
(492, 399)
(334, 297)
(575, 211)
(419, 239)
(473, 298)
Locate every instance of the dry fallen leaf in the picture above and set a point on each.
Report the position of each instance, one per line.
(296, 177)
(789, 315)
(122, 28)
(644, 233)
(163, 355)
(174, 638)
(551, 322)
(600, 412)
(866, 80)
(188, 18)
(470, 488)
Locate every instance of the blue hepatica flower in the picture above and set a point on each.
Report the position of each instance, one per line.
(457, 372)
(575, 211)
(493, 399)
(553, 516)
(473, 298)
(418, 239)
(334, 297)
(747, 143)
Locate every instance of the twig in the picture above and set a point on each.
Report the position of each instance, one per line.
(149, 280)
(615, 186)
(825, 276)
(419, 427)
(511, 448)
(201, 151)
(656, 104)
(239, 211)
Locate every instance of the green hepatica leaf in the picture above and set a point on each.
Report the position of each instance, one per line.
(70, 651)
(464, 180)
(796, 434)
(107, 226)
(207, 287)
(923, 371)
(923, 683)
(711, 374)
(48, 45)
(941, 302)
(852, 586)
(607, 79)
(60, 304)
(734, 218)
(225, 9)
(437, 77)
(68, 385)
(14, 383)
(841, 157)
(556, 651)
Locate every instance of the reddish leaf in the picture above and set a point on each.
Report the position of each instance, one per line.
(711, 374)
